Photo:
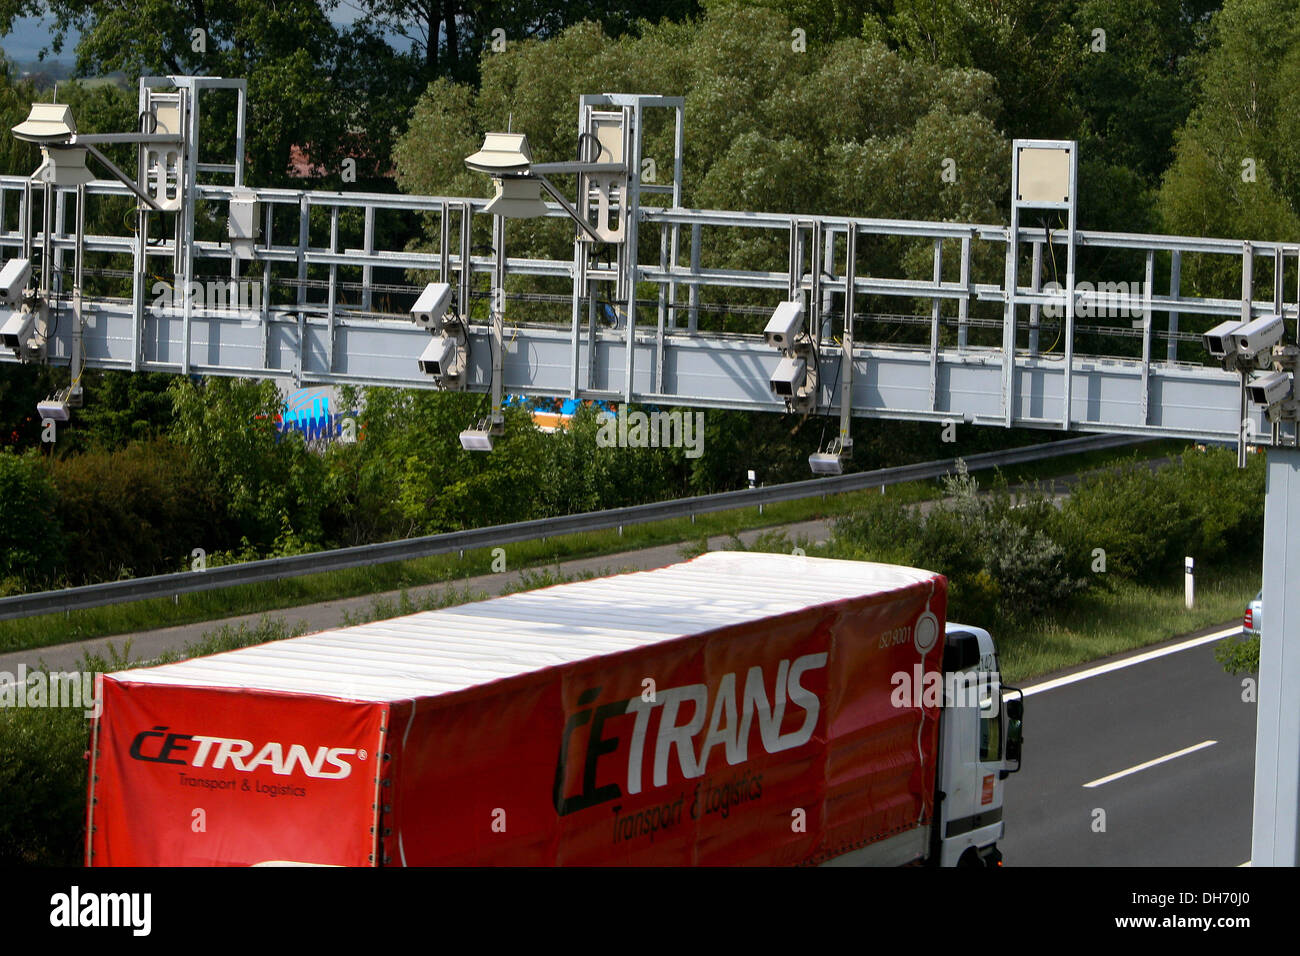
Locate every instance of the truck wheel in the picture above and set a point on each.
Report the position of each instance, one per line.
(970, 860)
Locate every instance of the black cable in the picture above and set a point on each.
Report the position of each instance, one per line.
(55, 332)
(600, 148)
(839, 367)
(817, 357)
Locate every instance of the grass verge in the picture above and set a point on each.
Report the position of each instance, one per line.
(50, 629)
(1123, 617)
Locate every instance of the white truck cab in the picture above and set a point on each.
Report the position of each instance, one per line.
(980, 741)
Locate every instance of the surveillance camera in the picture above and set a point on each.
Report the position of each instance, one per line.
(431, 306)
(439, 357)
(1255, 338)
(16, 333)
(1218, 341)
(789, 377)
(13, 279)
(785, 325)
(1270, 389)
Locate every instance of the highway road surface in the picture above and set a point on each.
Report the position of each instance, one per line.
(1147, 760)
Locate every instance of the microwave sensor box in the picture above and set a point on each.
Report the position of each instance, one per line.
(671, 717)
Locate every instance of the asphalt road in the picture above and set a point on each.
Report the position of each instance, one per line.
(1189, 810)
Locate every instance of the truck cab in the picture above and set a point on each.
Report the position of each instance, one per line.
(979, 746)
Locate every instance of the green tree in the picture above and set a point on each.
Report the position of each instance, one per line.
(17, 158)
(450, 36)
(1234, 173)
(755, 110)
(1029, 46)
(273, 489)
(850, 129)
(118, 408)
(286, 50)
(31, 536)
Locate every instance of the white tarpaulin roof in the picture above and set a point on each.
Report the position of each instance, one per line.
(437, 652)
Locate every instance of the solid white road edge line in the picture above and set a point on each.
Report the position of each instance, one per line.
(1129, 661)
(1151, 763)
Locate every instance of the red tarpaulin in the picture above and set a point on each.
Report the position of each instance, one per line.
(773, 740)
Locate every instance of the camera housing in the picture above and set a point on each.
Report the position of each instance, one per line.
(17, 332)
(1218, 340)
(431, 306)
(1254, 338)
(1270, 389)
(785, 325)
(790, 375)
(14, 277)
(439, 358)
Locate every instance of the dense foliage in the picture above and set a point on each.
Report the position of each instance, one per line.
(1007, 556)
(790, 106)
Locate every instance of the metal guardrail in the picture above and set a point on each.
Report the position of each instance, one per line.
(272, 569)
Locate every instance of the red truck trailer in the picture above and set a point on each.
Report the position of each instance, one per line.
(738, 708)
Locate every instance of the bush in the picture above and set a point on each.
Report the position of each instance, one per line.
(998, 556)
(1239, 655)
(1029, 557)
(1147, 521)
(880, 530)
(31, 535)
(266, 483)
(42, 786)
(137, 511)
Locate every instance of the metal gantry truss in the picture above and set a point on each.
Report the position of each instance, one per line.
(325, 313)
(670, 360)
(317, 339)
